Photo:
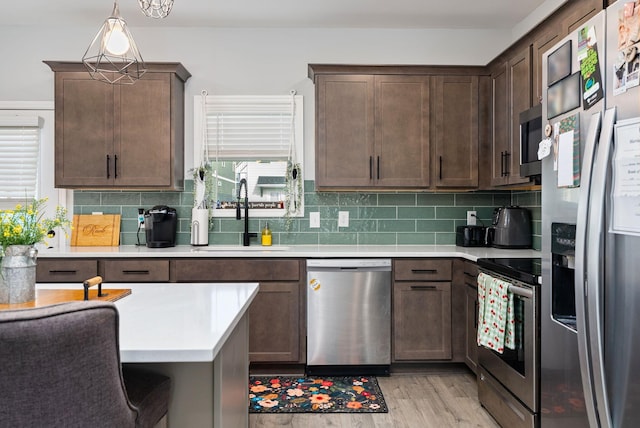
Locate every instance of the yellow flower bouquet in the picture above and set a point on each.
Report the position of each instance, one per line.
(25, 225)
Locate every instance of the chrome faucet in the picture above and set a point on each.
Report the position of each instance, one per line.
(245, 235)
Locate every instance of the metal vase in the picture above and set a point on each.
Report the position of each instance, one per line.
(18, 274)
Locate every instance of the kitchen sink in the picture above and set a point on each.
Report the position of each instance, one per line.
(223, 248)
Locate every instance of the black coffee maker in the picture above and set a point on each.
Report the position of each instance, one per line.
(160, 223)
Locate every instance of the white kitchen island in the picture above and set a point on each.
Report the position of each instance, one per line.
(198, 335)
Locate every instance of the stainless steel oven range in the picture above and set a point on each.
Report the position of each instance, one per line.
(508, 383)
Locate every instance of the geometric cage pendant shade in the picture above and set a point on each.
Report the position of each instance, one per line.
(113, 57)
(156, 8)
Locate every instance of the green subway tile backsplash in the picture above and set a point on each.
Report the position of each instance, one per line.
(374, 218)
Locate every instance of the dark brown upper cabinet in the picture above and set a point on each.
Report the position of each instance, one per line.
(376, 127)
(511, 94)
(544, 39)
(455, 120)
(372, 131)
(401, 131)
(577, 12)
(119, 136)
(500, 123)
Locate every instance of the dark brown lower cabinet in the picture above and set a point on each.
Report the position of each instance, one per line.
(275, 333)
(135, 270)
(66, 270)
(471, 314)
(274, 323)
(471, 303)
(72, 270)
(421, 321)
(275, 329)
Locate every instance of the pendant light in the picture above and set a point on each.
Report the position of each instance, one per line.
(113, 56)
(156, 8)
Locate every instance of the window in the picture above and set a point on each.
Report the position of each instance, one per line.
(256, 138)
(44, 159)
(19, 157)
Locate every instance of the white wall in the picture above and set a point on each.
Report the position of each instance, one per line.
(540, 13)
(241, 61)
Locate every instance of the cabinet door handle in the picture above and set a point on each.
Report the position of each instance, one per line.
(370, 167)
(440, 174)
(507, 167)
(470, 275)
(475, 313)
(501, 164)
(108, 166)
(424, 287)
(63, 272)
(115, 166)
(419, 271)
(378, 168)
(136, 272)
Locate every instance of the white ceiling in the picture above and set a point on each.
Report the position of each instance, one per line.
(491, 14)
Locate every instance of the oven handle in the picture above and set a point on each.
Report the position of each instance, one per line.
(521, 291)
(525, 292)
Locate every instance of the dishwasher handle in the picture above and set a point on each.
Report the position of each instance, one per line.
(348, 265)
(348, 270)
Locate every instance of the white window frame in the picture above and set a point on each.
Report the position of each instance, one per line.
(198, 142)
(46, 189)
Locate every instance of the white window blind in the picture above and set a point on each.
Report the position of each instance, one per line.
(19, 157)
(250, 127)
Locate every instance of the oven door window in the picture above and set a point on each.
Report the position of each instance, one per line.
(515, 358)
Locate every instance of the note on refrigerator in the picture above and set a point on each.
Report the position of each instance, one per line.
(626, 178)
(565, 159)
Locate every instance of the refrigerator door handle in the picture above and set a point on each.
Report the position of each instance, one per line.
(596, 233)
(580, 267)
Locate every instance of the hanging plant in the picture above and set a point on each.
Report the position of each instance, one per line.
(203, 176)
(295, 193)
(294, 180)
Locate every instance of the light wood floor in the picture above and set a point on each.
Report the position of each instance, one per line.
(440, 399)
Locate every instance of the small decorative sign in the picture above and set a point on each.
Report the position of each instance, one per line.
(95, 230)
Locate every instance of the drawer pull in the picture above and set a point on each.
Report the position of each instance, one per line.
(63, 272)
(419, 271)
(470, 275)
(424, 287)
(136, 272)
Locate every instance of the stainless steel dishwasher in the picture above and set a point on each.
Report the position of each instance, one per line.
(348, 316)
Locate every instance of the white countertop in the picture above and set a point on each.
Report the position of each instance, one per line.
(301, 251)
(169, 322)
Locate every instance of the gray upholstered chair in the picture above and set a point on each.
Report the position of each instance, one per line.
(60, 367)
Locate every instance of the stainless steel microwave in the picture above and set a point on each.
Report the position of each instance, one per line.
(530, 137)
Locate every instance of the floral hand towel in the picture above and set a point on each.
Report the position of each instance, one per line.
(495, 314)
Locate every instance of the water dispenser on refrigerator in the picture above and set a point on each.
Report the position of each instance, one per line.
(563, 250)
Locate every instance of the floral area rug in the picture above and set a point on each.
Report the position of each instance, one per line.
(322, 395)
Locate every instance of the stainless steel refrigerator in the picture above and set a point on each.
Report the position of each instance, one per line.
(590, 323)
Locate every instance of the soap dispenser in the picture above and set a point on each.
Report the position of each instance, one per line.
(266, 236)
